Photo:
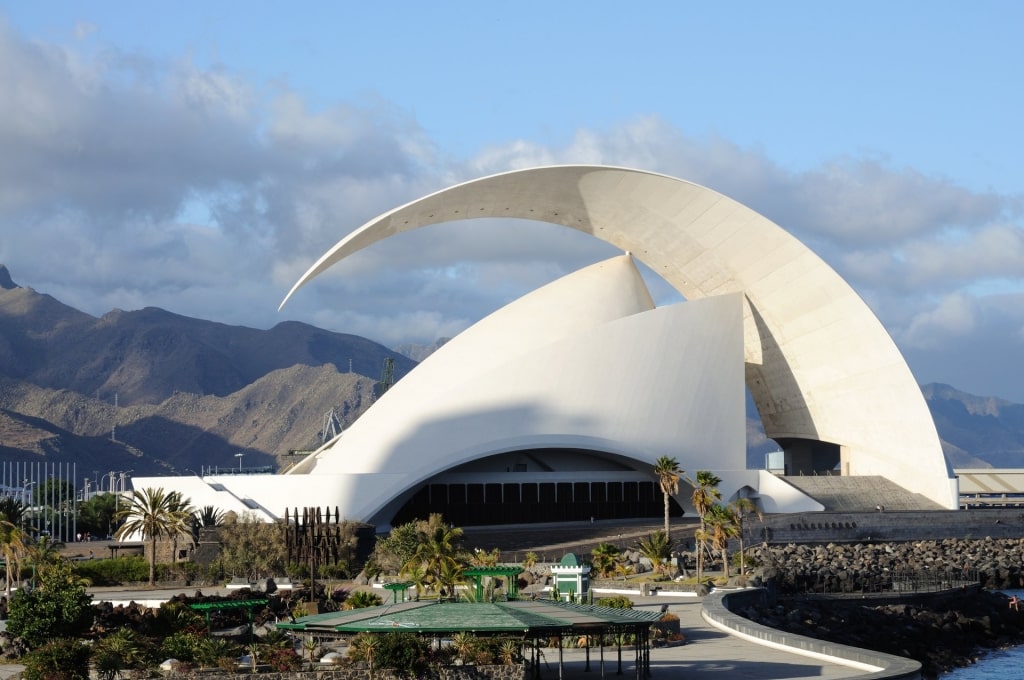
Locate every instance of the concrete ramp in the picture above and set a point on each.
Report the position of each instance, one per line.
(860, 493)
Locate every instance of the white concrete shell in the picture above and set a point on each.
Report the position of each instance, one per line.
(818, 363)
(586, 362)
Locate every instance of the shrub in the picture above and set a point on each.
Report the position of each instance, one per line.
(57, 660)
(181, 646)
(615, 602)
(363, 598)
(113, 572)
(282, 659)
(210, 651)
(406, 653)
(121, 651)
(61, 608)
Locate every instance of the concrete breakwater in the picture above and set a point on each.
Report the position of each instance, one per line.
(995, 563)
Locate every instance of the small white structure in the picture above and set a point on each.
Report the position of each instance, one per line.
(571, 580)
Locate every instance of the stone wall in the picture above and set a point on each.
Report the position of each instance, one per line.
(868, 567)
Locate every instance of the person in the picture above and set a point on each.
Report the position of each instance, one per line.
(1015, 603)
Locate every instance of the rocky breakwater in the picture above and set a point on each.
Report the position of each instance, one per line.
(882, 567)
(942, 632)
(932, 601)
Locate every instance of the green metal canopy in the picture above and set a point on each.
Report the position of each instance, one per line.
(528, 616)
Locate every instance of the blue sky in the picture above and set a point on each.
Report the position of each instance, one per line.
(199, 157)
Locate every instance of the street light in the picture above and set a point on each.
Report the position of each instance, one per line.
(239, 457)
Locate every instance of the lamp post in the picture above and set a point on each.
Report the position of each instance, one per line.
(239, 456)
(25, 499)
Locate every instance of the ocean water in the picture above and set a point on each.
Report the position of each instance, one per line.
(998, 664)
(1001, 664)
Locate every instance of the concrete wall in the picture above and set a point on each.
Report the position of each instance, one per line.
(861, 527)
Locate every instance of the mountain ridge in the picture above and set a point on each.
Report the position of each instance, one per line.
(160, 393)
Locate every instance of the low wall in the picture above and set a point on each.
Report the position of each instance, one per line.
(852, 527)
(716, 611)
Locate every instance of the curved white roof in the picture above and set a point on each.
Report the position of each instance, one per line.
(818, 363)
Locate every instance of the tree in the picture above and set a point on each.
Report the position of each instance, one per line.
(208, 517)
(721, 529)
(60, 608)
(362, 599)
(13, 545)
(96, 515)
(739, 509)
(154, 514)
(605, 557)
(251, 548)
(439, 553)
(657, 548)
(668, 472)
(705, 493)
(12, 510)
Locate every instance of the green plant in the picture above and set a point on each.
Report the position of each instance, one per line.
(605, 559)
(60, 608)
(282, 659)
(210, 651)
(362, 599)
(113, 572)
(615, 602)
(656, 548)
(465, 645)
(57, 660)
(510, 651)
(121, 650)
(182, 646)
(153, 514)
(406, 653)
(530, 560)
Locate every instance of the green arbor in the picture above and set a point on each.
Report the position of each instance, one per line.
(668, 472)
(154, 514)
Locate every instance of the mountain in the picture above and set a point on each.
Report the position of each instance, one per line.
(155, 392)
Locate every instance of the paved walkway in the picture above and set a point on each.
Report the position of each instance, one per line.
(709, 654)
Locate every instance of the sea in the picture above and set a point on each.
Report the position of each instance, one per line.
(998, 664)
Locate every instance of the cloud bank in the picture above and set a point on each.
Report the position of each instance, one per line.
(126, 182)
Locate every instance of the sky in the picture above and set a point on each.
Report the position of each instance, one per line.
(199, 157)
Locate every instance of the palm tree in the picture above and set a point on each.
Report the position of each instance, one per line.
(154, 514)
(705, 493)
(438, 553)
(12, 510)
(739, 509)
(656, 548)
(13, 545)
(722, 528)
(668, 472)
(605, 557)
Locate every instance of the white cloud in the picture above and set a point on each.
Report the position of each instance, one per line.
(110, 159)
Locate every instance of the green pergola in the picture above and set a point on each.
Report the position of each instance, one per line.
(207, 607)
(509, 573)
(532, 621)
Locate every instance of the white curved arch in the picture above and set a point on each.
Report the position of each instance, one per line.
(819, 364)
